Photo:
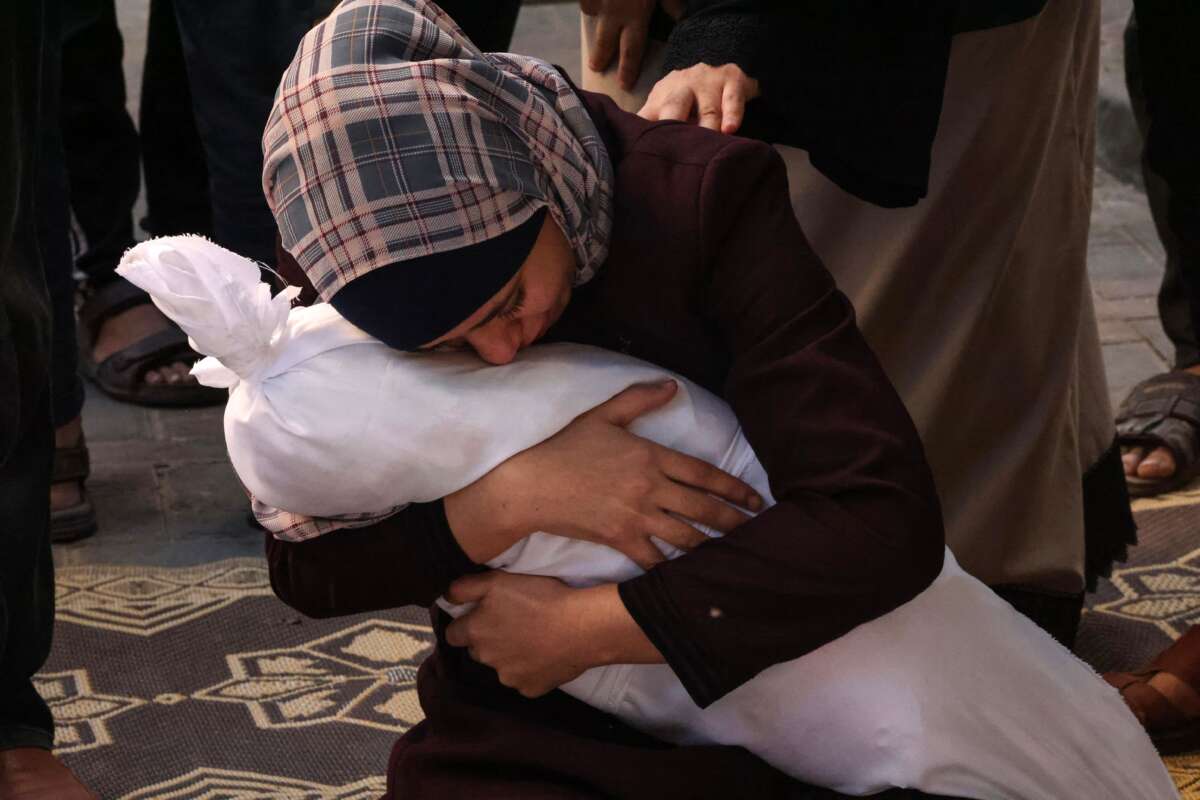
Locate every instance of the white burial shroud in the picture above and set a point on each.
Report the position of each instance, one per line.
(953, 693)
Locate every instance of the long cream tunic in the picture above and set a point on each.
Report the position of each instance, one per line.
(977, 299)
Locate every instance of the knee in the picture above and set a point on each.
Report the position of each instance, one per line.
(291, 578)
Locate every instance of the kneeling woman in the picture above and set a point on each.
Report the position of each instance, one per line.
(443, 198)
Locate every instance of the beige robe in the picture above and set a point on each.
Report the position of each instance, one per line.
(977, 299)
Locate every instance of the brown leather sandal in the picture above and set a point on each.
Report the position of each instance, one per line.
(1163, 411)
(1165, 696)
(72, 465)
(121, 375)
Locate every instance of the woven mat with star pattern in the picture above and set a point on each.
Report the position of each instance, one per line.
(195, 682)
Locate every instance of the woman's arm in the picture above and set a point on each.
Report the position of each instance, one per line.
(407, 559)
(593, 480)
(857, 530)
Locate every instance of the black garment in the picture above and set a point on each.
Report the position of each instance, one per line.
(1162, 73)
(26, 436)
(856, 83)
(54, 241)
(91, 166)
(26, 576)
(104, 150)
(859, 85)
(176, 175)
(98, 137)
(235, 53)
(487, 23)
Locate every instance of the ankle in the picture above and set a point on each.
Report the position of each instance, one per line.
(69, 433)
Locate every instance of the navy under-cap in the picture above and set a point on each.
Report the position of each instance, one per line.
(454, 284)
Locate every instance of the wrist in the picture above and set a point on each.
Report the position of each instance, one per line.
(482, 518)
(605, 631)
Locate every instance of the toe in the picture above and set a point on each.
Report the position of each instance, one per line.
(1159, 464)
(1130, 458)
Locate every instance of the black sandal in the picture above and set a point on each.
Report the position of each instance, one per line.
(121, 375)
(71, 464)
(1163, 411)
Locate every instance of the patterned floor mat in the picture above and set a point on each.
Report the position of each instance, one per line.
(189, 683)
(197, 683)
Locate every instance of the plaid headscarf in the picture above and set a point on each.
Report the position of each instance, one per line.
(393, 137)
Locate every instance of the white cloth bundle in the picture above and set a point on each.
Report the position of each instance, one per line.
(953, 693)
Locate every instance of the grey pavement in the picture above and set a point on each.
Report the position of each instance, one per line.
(166, 494)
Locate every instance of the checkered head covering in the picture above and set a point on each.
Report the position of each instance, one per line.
(393, 139)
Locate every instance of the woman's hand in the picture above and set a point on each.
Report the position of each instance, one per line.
(596, 481)
(537, 633)
(718, 95)
(622, 26)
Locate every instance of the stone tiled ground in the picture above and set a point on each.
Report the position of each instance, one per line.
(167, 496)
(1125, 260)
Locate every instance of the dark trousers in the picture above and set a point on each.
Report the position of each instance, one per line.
(236, 53)
(209, 77)
(93, 159)
(53, 227)
(208, 82)
(26, 436)
(176, 174)
(105, 152)
(487, 23)
(1162, 72)
(99, 141)
(26, 578)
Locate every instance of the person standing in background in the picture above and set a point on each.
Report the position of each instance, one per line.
(1159, 422)
(209, 77)
(126, 346)
(893, 119)
(28, 72)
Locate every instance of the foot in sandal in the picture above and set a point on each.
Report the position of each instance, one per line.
(135, 354)
(72, 515)
(1165, 696)
(1158, 427)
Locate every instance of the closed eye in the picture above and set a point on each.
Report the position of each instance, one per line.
(456, 346)
(517, 304)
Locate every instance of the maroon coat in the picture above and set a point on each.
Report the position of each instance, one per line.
(708, 275)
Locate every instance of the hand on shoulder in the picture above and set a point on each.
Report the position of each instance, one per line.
(713, 97)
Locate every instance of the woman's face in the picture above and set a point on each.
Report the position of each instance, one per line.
(521, 312)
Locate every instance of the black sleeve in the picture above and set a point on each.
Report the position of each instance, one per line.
(856, 83)
(1167, 33)
(407, 559)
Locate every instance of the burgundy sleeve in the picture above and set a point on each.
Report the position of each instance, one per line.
(857, 529)
(407, 559)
